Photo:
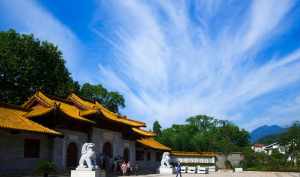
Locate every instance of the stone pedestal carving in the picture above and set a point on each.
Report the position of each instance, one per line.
(238, 170)
(165, 167)
(87, 173)
(166, 171)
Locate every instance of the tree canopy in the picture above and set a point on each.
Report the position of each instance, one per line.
(109, 99)
(204, 133)
(156, 128)
(28, 64)
(291, 138)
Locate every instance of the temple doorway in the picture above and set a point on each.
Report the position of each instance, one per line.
(72, 152)
(126, 154)
(107, 150)
(108, 155)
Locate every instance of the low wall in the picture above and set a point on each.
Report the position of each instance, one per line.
(218, 160)
(233, 158)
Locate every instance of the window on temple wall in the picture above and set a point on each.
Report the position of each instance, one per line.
(158, 156)
(31, 148)
(149, 156)
(139, 155)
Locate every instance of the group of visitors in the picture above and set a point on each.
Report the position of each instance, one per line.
(127, 169)
(116, 165)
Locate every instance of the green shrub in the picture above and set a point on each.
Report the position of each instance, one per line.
(228, 164)
(45, 167)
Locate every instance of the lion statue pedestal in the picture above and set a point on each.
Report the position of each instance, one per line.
(165, 167)
(87, 173)
(87, 164)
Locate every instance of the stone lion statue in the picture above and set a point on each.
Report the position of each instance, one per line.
(165, 160)
(88, 157)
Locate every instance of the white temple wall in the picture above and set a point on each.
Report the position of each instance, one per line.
(97, 139)
(61, 145)
(132, 148)
(101, 136)
(148, 165)
(55, 148)
(12, 158)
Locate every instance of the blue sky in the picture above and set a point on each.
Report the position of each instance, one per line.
(234, 60)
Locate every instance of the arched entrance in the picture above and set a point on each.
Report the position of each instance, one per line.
(72, 152)
(108, 154)
(126, 154)
(107, 150)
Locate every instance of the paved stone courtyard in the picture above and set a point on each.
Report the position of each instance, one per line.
(230, 174)
(216, 174)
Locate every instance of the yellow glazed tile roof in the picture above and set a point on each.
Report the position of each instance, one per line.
(114, 117)
(43, 99)
(194, 154)
(150, 142)
(38, 111)
(87, 105)
(13, 119)
(87, 112)
(72, 111)
(46, 102)
(143, 132)
(81, 102)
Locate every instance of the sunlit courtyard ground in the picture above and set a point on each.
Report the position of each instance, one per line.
(216, 174)
(229, 174)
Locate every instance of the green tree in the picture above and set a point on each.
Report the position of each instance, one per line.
(111, 100)
(28, 64)
(156, 128)
(204, 133)
(202, 122)
(291, 139)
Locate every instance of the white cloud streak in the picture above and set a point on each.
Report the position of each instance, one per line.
(283, 114)
(170, 68)
(171, 63)
(27, 16)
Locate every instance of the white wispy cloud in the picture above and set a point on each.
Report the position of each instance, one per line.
(28, 16)
(170, 66)
(284, 114)
(175, 59)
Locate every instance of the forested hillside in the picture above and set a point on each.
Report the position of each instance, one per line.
(204, 133)
(265, 130)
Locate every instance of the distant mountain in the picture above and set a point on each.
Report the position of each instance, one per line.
(264, 131)
(269, 139)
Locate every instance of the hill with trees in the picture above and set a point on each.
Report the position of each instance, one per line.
(264, 131)
(204, 133)
(289, 161)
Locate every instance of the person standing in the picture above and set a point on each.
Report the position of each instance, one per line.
(136, 168)
(124, 168)
(128, 168)
(178, 169)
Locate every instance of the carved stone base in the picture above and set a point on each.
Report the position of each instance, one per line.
(238, 170)
(87, 173)
(164, 170)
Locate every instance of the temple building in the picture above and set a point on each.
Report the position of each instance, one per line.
(54, 129)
